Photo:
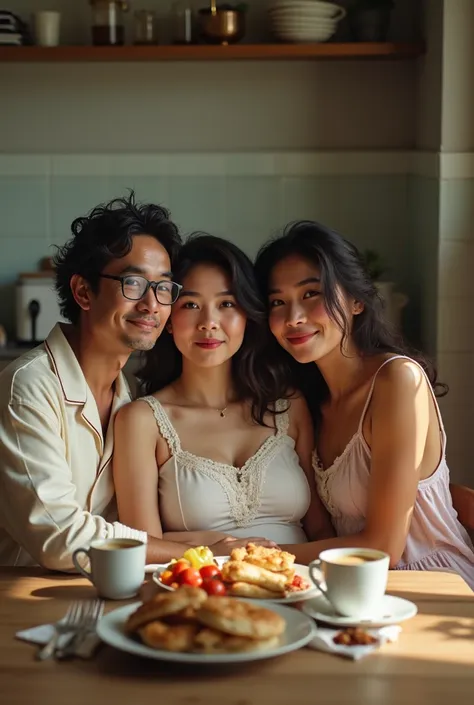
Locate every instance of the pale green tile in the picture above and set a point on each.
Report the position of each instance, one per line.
(457, 209)
(148, 189)
(311, 198)
(198, 203)
(23, 205)
(20, 255)
(248, 242)
(254, 206)
(374, 202)
(72, 197)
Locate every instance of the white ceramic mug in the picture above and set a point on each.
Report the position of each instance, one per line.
(353, 580)
(117, 566)
(47, 24)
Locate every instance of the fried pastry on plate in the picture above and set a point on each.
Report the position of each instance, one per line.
(273, 559)
(255, 591)
(211, 641)
(178, 637)
(165, 604)
(240, 618)
(241, 571)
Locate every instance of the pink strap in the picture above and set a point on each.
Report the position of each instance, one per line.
(371, 391)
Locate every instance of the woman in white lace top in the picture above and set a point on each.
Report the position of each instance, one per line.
(216, 449)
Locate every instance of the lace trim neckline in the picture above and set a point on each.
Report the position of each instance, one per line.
(261, 451)
(318, 465)
(170, 434)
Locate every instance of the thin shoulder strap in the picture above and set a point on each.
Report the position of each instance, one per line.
(282, 419)
(371, 391)
(164, 424)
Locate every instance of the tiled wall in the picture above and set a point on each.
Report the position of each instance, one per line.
(455, 338)
(441, 268)
(398, 203)
(422, 262)
(245, 197)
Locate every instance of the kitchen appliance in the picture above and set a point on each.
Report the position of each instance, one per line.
(37, 308)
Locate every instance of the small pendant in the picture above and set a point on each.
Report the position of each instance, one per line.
(222, 414)
(239, 477)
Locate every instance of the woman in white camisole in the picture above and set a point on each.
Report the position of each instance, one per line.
(380, 463)
(215, 451)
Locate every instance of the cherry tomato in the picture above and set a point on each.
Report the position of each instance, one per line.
(190, 576)
(166, 577)
(209, 571)
(214, 587)
(179, 566)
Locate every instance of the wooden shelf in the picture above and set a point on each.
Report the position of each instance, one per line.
(236, 52)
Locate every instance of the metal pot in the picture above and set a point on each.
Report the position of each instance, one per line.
(223, 27)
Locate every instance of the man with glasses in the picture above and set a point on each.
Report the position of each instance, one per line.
(58, 402)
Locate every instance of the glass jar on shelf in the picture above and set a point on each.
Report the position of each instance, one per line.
(108, 24)
(183, 22)
(145, 27)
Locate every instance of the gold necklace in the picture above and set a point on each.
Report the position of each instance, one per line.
(221, 411)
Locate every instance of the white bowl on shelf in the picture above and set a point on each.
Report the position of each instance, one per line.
(283, 16)
(325, 10)
(301, 36)
(300, 33)
(290, 26)
(288, 21)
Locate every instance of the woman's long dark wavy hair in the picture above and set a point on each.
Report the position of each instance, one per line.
(340, 264)
(255, 376)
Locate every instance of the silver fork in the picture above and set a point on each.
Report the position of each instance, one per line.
(91, 614)
(69, 623)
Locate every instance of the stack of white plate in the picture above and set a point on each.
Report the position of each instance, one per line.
(305, 20)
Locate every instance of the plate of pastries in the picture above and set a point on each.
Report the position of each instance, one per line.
(189, 626)
(253, 572)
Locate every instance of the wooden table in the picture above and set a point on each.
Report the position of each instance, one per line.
(433, 661)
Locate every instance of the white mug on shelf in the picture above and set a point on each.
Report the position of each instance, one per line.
(46, 26)
(117, 566)
(353, 580)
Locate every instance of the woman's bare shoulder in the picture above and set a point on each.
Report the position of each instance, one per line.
(135, 413)
(401, 370)
(402, 378)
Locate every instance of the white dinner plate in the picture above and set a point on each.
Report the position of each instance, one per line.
(301, 570)
(394, 610)
(300, 629)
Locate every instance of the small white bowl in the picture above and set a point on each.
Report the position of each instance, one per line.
(325, 10)
(302, 36)
(330, 26)
(303, 27)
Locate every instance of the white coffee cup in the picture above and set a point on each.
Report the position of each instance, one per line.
(353, 580)
(117, 566)
(47, 24)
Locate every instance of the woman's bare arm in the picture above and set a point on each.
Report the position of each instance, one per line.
(400, 413)
(316, 523)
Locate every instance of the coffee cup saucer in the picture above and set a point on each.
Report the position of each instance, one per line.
(393, 610)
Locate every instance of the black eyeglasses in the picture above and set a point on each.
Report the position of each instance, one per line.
(135, 287)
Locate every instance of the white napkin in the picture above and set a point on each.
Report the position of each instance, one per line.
(42, 634)
(324, 641)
